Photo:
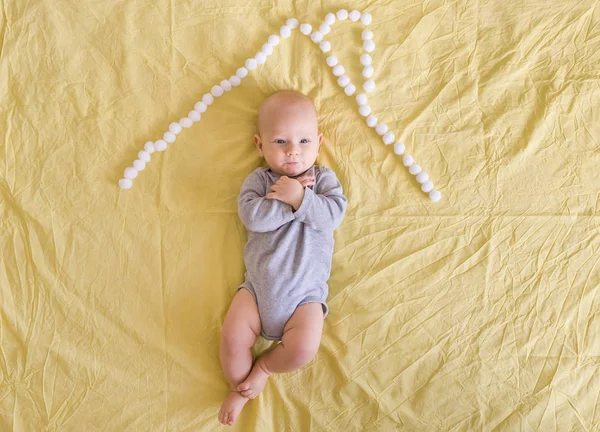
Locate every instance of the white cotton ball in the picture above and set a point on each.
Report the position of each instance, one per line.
(414, 169)
(235, 80)
(316, 37)
(342, 14)
(367, 35)
(361, 99)
(324, 29)
(305, 28)
(350, 89)
(365, 59)
(285, 31)
(354, 15)
(200, 107)
(371, 121)
(125, 183)
(399, 148)
(144, 156)
(435, 196)
(332, 61)
(216, 91)
(366, 18)
(241, 73)
(343, 81)
(330, 18)
(381, 128)
(273, 40)
(427, 187)
(292, 23)
(339, 70)
(267, 49)
(194, 115)
(367, 71)
(422, 177)
(251, 64)
(369, 85)
(169, 137)
(226, 85)
(130, 173)
(364, 110)
(260, 58)
(139, 165)
(325, 46)
(408, 160)
(388, 138)
(186, 122)
(368, 45)
(208, 99)
(149, 147)
(175, 128)
(160, 145)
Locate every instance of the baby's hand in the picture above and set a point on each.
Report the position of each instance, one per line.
(287, 190)
(306, 181)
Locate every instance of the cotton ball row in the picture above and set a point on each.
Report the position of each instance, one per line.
(125, 183)
(367, 71)
(399, 148)
(273, 40)
(305, 29)
(324, 28)
(251, 64)
(350, 89)
(414, 169)
(343, 81)
(325, 46)
(330, 18)
(292, 23)
(435, 196)
(194, 116)
(388, 138)
(367, 35)
(354, 15)
(260, 58)
(185, 122)
(331, 61)
(369, 45)
(365, 60)
(160, 145)
(235, 81)
(339, 70)
(175, 128)
(208, 99)
(364, 110)
(366, 18)
(216, 91)
(342, 14)
(422, 177)
(285, 31)
(316, 37)
(149, 147)
(241, 73)
(169, 137)
(361, 99)
(408, 160)
(267, 49)
(369, 85)
(144, 156)
(381, 128)
(225, 85)
(200, 107)
(371, 121)
(130, 173)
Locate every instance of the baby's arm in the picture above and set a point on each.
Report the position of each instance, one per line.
(258, 213)
(325, 210)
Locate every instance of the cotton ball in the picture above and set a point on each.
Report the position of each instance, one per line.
(273, 40)
(241, 73)
(361, 99)
(367, 71)
(367, 35)
(169, 137)
(365, 59)
(292, 23)
(354, 15)
(125, 183)
(414, 169)
(330, 18)
(388, 138)
(260, 57)
(408, 160)
(368, 45)
(364, 110)
(200, 107)
(175, 128)
(371, 121)
(369, 85)
(343, 81)
(316, 37)
(325, 46)
(160, 145)
(381, 128)
(285, 31)
(208, 99)
(305, 28)
(339, 70)
(194, 115)
(422, 177)
(267, 49)
(331, 61)
(226, 85)
(399, 148)
(235, 80)
(366, 18)
(324, 29)
(350, 89)
(186, 122)
(216, 91)
(130, 173)
(144, 156)
(149, 147)
(251, 64)
(342, 14)
(427, 187)
(435, 196)
(139, 165)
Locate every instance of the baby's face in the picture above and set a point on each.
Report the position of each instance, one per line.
(289, 137)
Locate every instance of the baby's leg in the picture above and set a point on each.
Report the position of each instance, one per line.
(299, 344)
(240, 329)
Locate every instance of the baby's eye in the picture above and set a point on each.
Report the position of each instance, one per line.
(280, 141)
(303, 140)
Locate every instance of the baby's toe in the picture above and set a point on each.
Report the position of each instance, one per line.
(243, 387)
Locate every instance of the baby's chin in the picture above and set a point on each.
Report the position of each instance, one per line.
(292, 169)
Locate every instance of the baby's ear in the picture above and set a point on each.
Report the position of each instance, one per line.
(258, 144)
(320, 139)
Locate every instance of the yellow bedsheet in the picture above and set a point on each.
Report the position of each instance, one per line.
(480, 312)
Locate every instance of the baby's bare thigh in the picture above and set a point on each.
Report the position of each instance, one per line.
(305, 325)
(242, 315)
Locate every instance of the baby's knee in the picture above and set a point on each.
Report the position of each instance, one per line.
(235, 337)
(303, 352)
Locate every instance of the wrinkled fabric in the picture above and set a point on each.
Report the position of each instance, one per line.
(479, 312)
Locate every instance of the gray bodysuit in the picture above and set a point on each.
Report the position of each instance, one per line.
(288, 254)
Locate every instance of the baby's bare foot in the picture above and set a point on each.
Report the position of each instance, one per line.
(231, 408)
(255, 383)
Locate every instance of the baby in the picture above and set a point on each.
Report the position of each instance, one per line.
(290, 210)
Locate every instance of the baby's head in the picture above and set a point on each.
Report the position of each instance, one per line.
(288, 132)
